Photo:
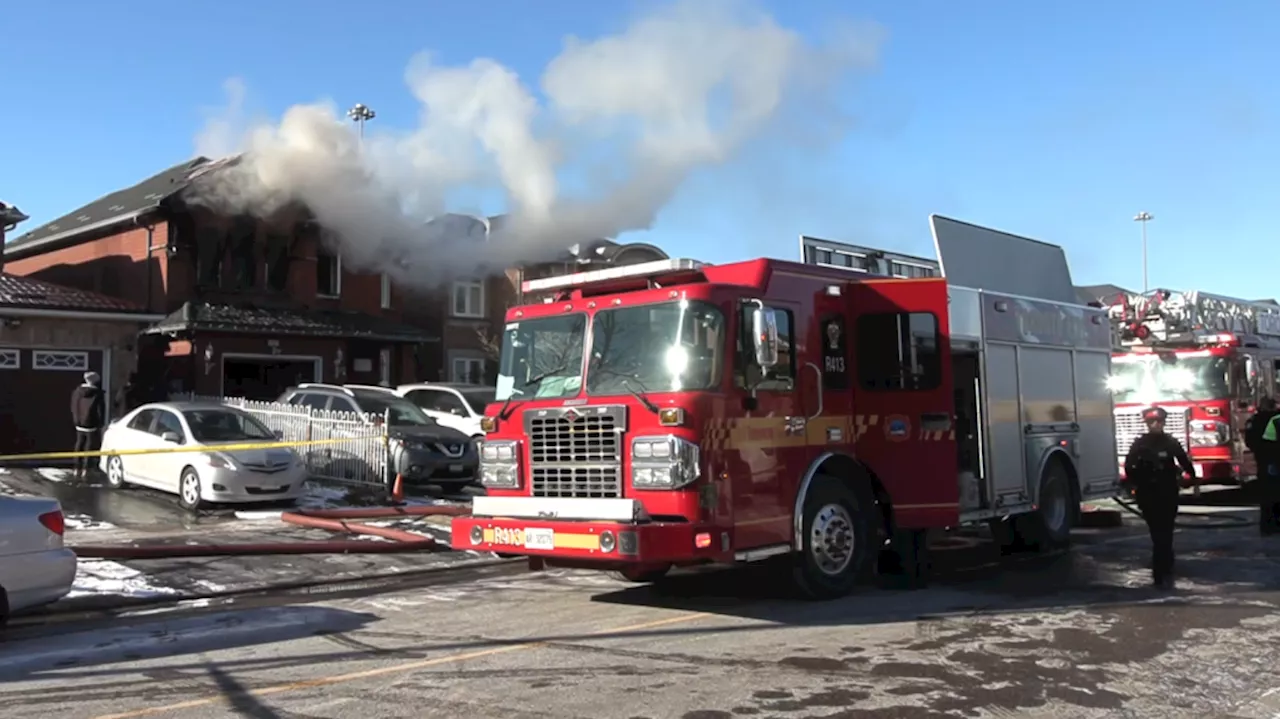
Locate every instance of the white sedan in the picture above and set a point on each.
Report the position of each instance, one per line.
(201, 472)
(35, 567)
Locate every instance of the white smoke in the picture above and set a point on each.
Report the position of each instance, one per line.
(680, 90)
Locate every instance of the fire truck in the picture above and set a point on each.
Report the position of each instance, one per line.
(676, 413)
(1206, 359)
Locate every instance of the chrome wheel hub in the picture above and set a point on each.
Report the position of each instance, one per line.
(190, 489)
(115, 471)
(831, 539)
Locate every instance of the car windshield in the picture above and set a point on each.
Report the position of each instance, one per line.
(224, 425)
(402, 412)
(542, 358)
(656, 348)
(1147, 379)
(478, 399)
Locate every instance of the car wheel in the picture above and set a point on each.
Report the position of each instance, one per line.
(189, 489)
(115, 473)
(4, 607)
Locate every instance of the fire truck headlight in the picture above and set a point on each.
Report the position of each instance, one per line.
(500, 464)
(666, 462)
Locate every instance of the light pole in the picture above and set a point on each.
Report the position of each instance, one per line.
(361, 114)
(1144, 218)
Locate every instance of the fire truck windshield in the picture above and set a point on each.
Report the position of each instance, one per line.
(1147, 379)
(542, 358)
(656, 348)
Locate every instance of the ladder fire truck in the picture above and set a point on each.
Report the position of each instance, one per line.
(676, 413)
(1206, 359)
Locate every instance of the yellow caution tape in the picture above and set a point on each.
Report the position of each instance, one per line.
(177, 449)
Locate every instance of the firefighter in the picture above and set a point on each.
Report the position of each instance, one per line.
(1262, 431)
(1152, 468)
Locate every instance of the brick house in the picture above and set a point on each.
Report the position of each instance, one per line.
(471, 310)
(49, 336)
(248, 305)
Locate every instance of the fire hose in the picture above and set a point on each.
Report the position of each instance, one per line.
(1223, 521)
(333, 520)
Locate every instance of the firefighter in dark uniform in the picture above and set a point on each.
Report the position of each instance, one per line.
(1152, 469)
(1261, 429)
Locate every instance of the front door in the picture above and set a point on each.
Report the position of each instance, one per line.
(904, 408)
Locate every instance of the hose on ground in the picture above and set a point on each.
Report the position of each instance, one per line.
(333, 520)
(1224, 521)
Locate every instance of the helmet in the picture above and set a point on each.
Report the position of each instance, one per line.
(1154, 413)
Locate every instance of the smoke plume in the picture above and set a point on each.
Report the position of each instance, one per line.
(628, 116)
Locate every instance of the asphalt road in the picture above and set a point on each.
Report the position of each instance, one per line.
(1074, 636)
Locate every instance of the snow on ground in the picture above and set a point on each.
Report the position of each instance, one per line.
(101, 576)
(54, 474)
(84, 523)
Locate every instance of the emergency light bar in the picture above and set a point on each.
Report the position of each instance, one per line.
(657, 268)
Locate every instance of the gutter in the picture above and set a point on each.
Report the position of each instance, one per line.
(17, 253)
(81, 315)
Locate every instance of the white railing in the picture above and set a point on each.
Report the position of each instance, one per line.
(350, 447)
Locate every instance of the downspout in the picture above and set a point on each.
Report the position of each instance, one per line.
(151, 231)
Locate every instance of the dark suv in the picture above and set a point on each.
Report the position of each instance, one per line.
(423, 451)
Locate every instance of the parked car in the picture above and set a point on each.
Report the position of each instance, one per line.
(423, 450)
(35, 567)
(205, 473)
(460, 406)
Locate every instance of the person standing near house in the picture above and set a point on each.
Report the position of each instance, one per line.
(88, 412)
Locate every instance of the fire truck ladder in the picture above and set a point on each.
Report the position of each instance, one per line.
(1176, 317)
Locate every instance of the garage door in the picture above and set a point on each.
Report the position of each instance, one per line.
(35, 397)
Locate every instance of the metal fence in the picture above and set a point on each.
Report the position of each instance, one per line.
(353, 449)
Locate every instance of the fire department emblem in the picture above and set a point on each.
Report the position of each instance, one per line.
(833, 335)
(897, 428)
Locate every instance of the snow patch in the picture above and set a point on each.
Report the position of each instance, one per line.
(100, 576)
(84, 523)
(54, 474)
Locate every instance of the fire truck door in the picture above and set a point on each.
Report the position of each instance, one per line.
(903, 403)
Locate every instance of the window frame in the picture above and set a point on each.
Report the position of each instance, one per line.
(466, 359)
(932, 373)
(468, 311)
(335, 273)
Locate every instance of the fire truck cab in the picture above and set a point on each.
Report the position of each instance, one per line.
(676, 413)
(1207, 360)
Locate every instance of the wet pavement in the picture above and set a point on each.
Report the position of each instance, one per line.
(1073, 635)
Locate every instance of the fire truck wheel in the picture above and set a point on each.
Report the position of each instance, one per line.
(1049, 527)
(838, 552)
(640, 575)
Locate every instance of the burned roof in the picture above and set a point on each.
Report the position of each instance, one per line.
(252, 319)
(28, 293)
(111, 209)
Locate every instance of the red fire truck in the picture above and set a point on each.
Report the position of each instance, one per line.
(676, 413)
(1207, 360)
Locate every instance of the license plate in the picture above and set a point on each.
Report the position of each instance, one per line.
(539, 539)
(455, 468)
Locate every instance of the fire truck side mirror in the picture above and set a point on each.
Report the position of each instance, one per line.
(764, 335)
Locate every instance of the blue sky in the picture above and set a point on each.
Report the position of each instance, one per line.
(1050, 119)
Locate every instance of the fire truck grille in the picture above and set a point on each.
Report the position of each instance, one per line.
(1129, 426)
(598, 482)
(576, 452)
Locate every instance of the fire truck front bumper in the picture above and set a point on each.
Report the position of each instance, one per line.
(590, 530)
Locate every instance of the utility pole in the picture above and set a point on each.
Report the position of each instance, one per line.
(361, 114)
(1144, 217)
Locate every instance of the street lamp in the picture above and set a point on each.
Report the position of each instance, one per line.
(361, 114)
(1144, 218)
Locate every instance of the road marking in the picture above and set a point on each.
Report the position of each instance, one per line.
(383, 671)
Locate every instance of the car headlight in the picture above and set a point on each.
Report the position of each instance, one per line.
(666, 462)
(218, 460)
(500, 463)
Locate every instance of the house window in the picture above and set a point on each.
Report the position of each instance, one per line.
(245, 253)
(209, 250)
(53, 360)
(277, 268)
(386, 291)
(468, 299)
(898, 351)
(328, 274)
(9, 359)
(467, 370)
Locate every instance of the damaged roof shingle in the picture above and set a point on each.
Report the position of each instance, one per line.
(29, 293)
(248, 319)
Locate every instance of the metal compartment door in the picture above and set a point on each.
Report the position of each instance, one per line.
(1004, 418)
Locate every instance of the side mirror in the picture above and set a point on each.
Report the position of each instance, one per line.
(279, 434)
(1251, 373)
(764, 337)
(172, 437)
